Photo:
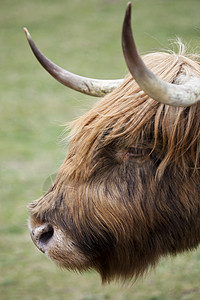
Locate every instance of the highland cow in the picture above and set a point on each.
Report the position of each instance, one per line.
(128, 190)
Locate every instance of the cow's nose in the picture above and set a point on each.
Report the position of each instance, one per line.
(42, 235)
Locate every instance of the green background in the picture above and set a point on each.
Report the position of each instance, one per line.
(83, 37)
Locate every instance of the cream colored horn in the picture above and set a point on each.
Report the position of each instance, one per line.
(161, 91)
(89, 86)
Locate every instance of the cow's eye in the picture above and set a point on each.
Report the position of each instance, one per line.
(136, 153)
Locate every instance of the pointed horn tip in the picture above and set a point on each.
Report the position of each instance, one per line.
(27, 33)
(126, 29)
(128, 8)
(127, 18)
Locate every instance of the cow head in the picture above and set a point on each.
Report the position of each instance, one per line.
(128, 190)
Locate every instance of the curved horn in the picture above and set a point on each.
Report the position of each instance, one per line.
(89, 86)
(161, 91)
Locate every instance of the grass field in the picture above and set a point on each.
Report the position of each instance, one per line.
(84, 37)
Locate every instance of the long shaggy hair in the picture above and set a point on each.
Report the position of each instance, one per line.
(128, 190)
(130, 114)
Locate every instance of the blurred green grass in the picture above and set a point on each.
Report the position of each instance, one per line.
(84, 37)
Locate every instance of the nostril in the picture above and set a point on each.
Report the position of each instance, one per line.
(47, 235)
(42, 235)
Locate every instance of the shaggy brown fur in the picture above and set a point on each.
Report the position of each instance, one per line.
(128, 190)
